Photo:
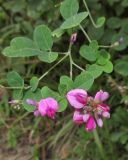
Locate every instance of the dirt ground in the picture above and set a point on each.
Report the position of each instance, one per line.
(21, 152)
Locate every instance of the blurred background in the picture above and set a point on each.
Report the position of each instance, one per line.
(24, 137)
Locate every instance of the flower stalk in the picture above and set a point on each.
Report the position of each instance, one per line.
(99, 145)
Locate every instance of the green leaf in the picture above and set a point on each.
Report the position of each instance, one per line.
(36, 96)
(103, 57)
(57, 32)
(94, 45)
(121, 67)
(47, 92)
(108, 67)
(17, 94)
(21, 47)
(74, 20)
(67, 81)
(100, 22)
(84, 81)
(43, 37)
(95, 33)
(14, 79)
(65, 85)
(62, 88)
(68, 8)
(114, 22)
(34, 83)
(95, 70)
(48, 57)
(62, 105)
(88, 53)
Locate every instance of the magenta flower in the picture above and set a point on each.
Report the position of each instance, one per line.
(89, 110)
(77, 98)
(48, 107)
(45, 107)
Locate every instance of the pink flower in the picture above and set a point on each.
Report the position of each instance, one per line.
(77, 98)
(77, 117)
(88, 106)
(45, 107)
(48, 107)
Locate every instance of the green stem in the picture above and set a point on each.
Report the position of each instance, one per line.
(85, 33)
(70, 58)
(78, 67)
(99, 145)
(90, 16)
(12, 87)
(102, 46)
(53, 67)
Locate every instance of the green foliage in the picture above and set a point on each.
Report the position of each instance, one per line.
(43, 37)
(15, 80)
(48, 57)
(34, 83)
(89, 52)
(121, 67)
(21, 47)
(65, 84)
(74, 21)
(84, 81)
(95, 70)
(100, 22)
(69, 8)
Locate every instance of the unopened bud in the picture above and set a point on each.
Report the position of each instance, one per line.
(31, 102)
(73, 38)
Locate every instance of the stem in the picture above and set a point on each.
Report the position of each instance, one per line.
(86, 6)
(102, 46)
(78, 67)
(99, 145)
(53, 67)
(85, 33)
(13, 87)
(70, 58)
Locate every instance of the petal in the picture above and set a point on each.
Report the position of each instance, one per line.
(42, 107)
(52, 103)
(36, 113)
(90, 125)
(86, 117)
(103, 107)
(77, 117)
(31, 102)
(51, 113)
(101, 96)
(99, 122)
(106, 114)
(77, 98)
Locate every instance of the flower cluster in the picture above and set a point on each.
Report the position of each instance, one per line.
(88, 110)
(45, 107)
